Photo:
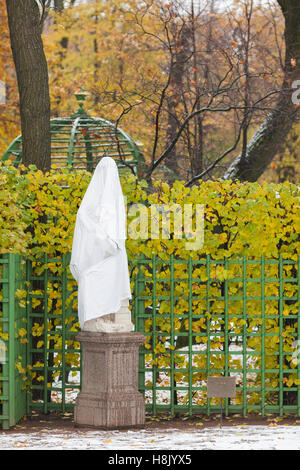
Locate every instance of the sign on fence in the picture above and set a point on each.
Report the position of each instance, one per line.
(221, 387)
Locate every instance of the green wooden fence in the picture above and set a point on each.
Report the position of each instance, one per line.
(13, 396)
(54, 352)
(219, 317)
(200, 317)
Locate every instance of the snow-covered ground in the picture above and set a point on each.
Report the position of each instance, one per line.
(188, 437)
(245, 437)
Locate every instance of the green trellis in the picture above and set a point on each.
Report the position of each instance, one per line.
(13, 397)
(152, 288)
(80, 141)
(176, 383)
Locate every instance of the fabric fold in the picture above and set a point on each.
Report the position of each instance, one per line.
(99, 261)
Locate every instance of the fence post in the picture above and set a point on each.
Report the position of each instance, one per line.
(28, 323)
(63, 323)
(173, 396)
(244, 295)
(298, 337)
(139, 322)
(11, 336)
(280, 335)
(208, 411)
(226, 333)
(5, 330)
(262, 361)
(154, 369)
(190, 300)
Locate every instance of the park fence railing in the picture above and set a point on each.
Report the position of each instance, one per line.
(201, 318)
(13, 351)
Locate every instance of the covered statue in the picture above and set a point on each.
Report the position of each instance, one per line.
(99, 260)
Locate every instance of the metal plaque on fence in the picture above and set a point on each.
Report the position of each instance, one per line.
(221, 387)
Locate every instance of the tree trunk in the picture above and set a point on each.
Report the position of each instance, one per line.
(179, 67)
(197, 157)
(269, 138)
(32, 75)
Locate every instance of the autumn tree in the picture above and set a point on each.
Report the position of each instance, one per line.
(24, 19)
(9, 119)
(273, 132)
(154, 67)
(199, 91)
(257, 154)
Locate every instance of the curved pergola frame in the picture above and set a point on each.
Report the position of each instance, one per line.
(80, 141)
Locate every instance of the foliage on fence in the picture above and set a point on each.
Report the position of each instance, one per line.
(14, 215)
(37, 218)
(38, 213)
(220, 317)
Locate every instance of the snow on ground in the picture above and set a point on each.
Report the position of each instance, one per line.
(229, 438)
(238, 437)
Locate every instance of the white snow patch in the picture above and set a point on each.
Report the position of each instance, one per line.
(234, 438)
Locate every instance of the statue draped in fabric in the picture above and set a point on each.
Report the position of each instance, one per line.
(99, 260)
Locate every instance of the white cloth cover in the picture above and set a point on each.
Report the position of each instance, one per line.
(99, 260)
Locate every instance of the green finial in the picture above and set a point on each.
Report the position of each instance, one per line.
(80, 97)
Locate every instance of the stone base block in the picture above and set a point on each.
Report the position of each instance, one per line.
(110, 413)
(109, 398)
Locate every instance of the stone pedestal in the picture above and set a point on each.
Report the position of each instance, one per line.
(109, 397)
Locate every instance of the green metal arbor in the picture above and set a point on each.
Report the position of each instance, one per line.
(80, 141)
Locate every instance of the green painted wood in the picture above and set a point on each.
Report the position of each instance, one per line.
(11, 338)
(12, 395)
(263, 364)
(80, 141)
(162, 280)
(154, 368)
(172, 339)
(190, 332)
(244, 267)
(4, 403)
(298, 337)
(262, 371)
(280, 312)
(139, 322)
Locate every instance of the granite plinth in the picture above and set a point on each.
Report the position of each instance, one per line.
(109, 397)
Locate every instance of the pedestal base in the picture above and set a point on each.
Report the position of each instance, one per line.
(109, 398)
